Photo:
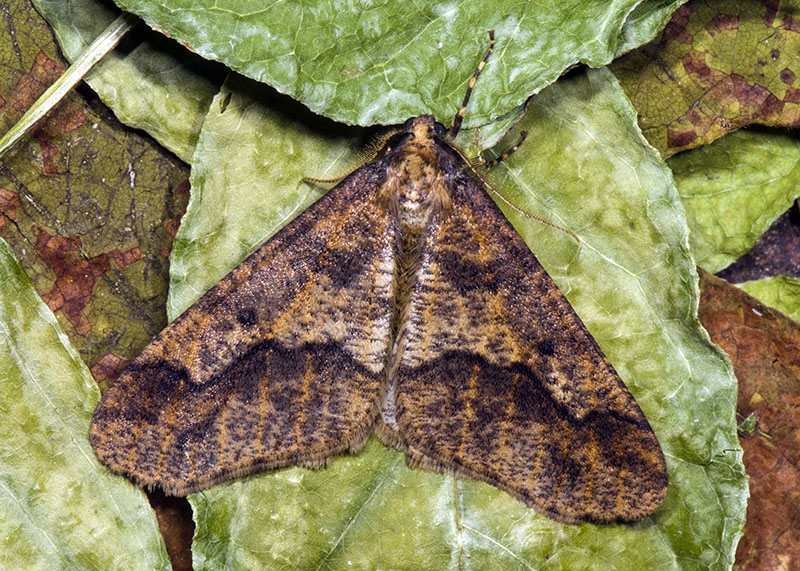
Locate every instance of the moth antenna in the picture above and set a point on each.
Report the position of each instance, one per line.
(366, 155)
(475, 169)
(455, 126)
(532, 216)
(494, 162)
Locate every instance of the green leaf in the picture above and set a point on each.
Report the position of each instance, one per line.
(748, 425)
(60, 508)
(780, 292)
(629, 275)
(382, 63)
(646, 20)
(151, 84)
(734, 189)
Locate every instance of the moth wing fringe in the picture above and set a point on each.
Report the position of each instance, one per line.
(415, 459)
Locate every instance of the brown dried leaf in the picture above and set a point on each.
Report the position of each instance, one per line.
(717, 66)
(764, 346)
(88, 207)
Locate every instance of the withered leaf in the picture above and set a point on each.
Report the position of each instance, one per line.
(762, 344)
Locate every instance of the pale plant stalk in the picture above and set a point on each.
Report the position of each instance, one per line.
(104, 43)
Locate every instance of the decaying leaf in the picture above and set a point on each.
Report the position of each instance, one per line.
(717, 66)
(60, 509)
(89, 206)
(763, 345)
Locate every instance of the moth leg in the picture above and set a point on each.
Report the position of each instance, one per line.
(494, 162)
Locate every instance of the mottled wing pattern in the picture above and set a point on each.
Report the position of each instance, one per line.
(499, 380)
(281, 363)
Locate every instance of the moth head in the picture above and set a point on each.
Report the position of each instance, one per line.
(424, 128)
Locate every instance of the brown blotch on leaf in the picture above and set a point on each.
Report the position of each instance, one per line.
(771, 11)
(108, 367)
(695, 64)
(722, 22)
(9, 202)
(789, 23)
(676, 28)
(75, 276)
(792, 95)
(43, 72)
(124, 258)
(680, 138)
(693, 58)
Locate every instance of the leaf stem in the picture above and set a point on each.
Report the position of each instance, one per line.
(103, 44)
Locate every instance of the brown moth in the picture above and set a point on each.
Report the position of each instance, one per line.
(404, 303)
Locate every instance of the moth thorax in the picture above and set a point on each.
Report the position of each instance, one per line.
(418, 188)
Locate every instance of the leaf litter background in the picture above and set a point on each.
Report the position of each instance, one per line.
(368, 63)
(762, 343)
(733, 190)
(542, 206)
(89, 207)
(61, 508)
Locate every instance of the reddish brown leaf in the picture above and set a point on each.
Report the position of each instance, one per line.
(176, 525)
(764, 346)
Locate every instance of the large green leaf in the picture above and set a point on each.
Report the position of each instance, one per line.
(366, 62)
(586, 168)
(60, 507)
(734, 189)
(178, 86)
(151, 83)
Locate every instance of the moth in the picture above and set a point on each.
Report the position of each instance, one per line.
(401, 303)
